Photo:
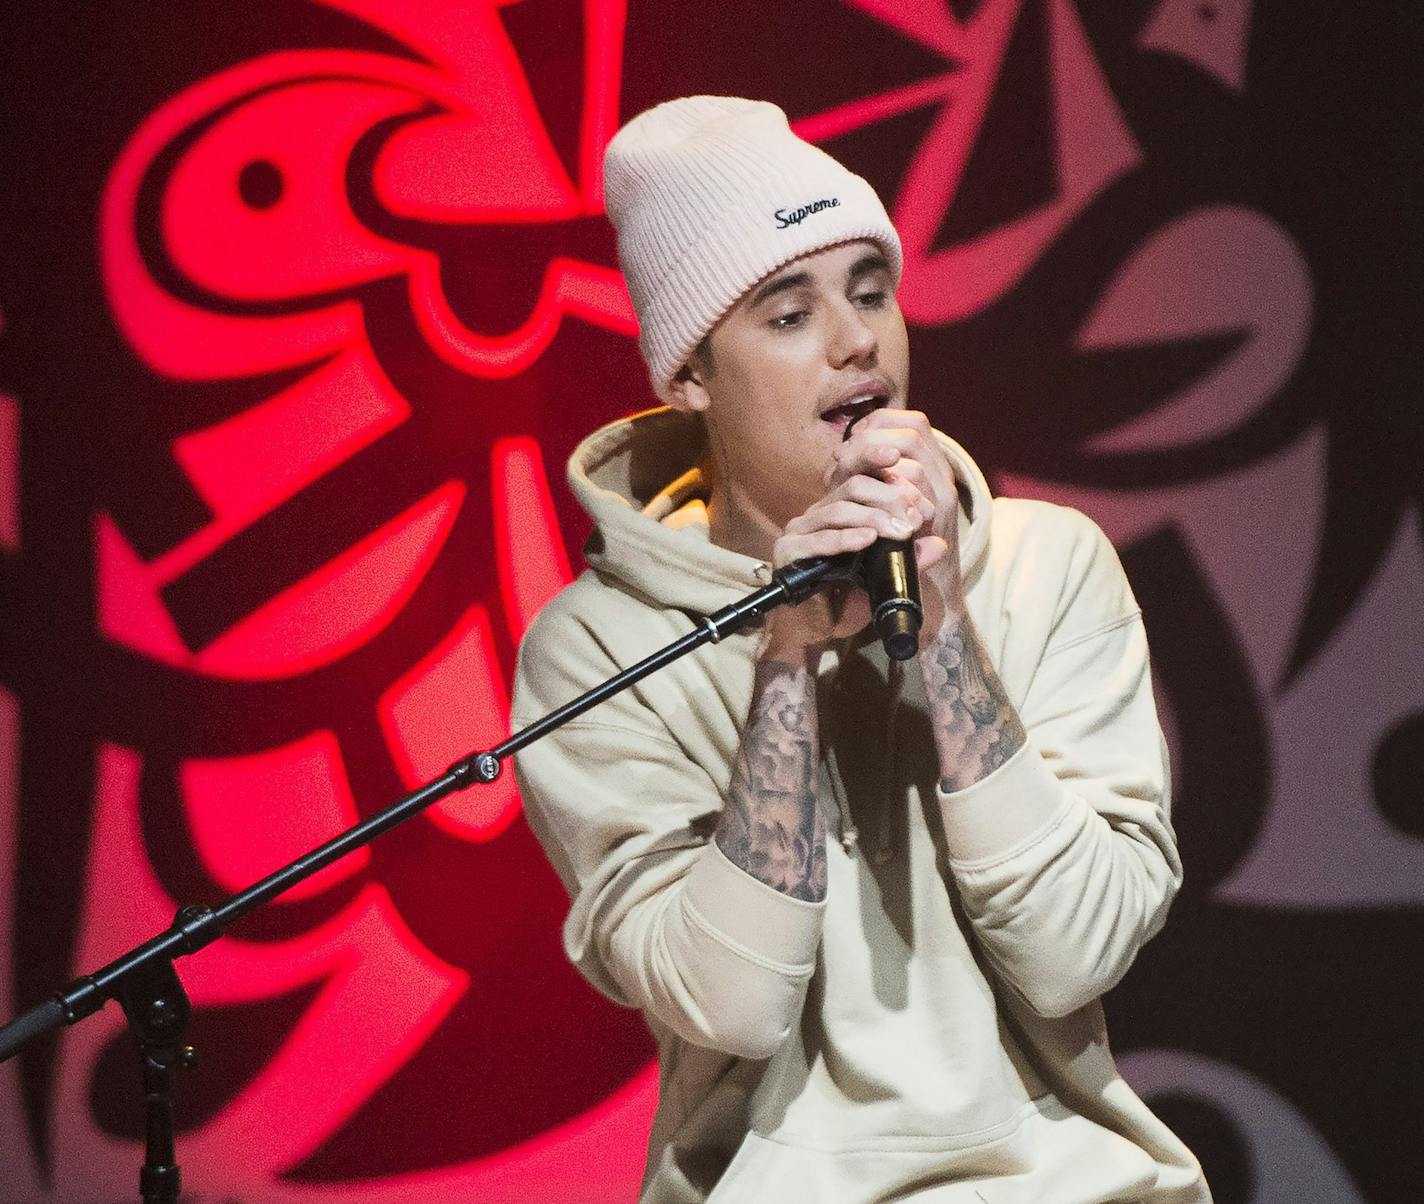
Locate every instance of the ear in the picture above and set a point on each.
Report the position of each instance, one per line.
(687, 391)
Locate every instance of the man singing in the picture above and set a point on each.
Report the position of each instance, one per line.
(868, 907)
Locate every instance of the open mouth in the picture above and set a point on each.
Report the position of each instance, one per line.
(845, 415)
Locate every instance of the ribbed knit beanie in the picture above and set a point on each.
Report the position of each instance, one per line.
(711, 193)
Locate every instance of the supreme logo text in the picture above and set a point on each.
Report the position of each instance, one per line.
(794, 217)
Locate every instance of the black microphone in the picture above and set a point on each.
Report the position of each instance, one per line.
(888, 571)
(891, 578)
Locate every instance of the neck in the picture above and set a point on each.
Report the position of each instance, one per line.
(737, 517)
(735, 521)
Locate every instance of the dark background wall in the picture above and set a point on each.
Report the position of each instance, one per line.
(303, 305)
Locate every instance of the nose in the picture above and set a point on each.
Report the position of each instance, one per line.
(853, 339)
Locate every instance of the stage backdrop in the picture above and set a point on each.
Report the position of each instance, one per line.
(304, 305)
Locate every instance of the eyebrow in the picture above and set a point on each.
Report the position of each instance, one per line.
(864, 266)
(779, 285)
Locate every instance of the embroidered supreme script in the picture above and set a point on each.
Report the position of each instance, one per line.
(794, 217)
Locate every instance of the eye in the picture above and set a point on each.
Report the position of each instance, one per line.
(871, 299)
(789, 321)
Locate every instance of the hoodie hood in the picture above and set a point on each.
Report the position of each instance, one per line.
(632, 475)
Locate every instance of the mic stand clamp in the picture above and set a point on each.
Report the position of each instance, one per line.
(157, 1009)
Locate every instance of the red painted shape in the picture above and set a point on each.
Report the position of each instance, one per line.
(300, 238)
(489, 157)
(453, 702)
(252, 462)
(832, 123)
(570, 286)
(9, 473)
(343, 604)
(251, 815)
(243, 468)
(486, 157)
(320, 619)
(603, 76)
(181, 339)
(382, 996)
(130, 610)
(533, 565)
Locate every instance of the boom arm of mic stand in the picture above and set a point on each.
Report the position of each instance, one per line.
(197, 926)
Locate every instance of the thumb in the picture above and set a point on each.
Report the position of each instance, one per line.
(930, 550)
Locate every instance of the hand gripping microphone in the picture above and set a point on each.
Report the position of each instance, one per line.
(890, 577)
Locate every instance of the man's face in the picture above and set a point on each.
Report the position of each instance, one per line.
(810, 348)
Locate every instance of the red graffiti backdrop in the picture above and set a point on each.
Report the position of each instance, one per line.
(303, 306)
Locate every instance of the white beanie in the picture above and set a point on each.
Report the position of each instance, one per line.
(709, 194)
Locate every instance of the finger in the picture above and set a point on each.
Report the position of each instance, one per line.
(894, 416)
(922, 463)
(843, 512)
(905, 441)
(899, 499)
(927, 492)
(929, 551)
(883, 453)
(829, 541)
(913, 473)
(861, 458)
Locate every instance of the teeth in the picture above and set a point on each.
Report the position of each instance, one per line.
(856, 407)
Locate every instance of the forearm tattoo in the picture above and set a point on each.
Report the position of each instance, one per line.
(772, 825)
(976, 726)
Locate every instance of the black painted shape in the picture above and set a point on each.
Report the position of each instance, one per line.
(1013, 167)
(1214, 1138)
(172, 853)
(492, 275)
(964, 10)
(883, 152)
(806, 57)
(148, 212)
(261, 184)
(1337, 176)
(479, 1061)
(491, 272)
(548, 36)
(299, 536)
(1025, 403)
(140, 424)
(1089, 392)
(1397, 775)
(1319, 1005)
(234, 1045)
(1223, 774)
(1363, 521)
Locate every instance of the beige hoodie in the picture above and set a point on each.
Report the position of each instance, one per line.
(932, 1029)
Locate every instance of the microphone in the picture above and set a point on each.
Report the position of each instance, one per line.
(891, 578)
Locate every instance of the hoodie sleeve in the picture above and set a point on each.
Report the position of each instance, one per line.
(1065, 858)
(660, 919)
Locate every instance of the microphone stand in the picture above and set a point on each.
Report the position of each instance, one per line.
(144, 980)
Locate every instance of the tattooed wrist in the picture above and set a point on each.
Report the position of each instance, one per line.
(771, 825)
(976, 727)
